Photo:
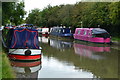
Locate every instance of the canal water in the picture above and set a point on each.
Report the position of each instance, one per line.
(62, 58)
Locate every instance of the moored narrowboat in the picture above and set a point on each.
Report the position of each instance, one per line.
(43, 31)
(61, 32)
(95, 35)
(22, 43)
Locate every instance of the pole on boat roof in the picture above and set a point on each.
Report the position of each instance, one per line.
(98, 26)
(81, 24)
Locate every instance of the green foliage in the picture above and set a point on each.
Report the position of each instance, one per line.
(34, 17)
(12, 12)
(7, 71)
(82, 14)
(0, 13)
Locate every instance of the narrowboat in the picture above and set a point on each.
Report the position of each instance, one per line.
(22, 43)
(61, 32)
(43, 31)
(95, 35)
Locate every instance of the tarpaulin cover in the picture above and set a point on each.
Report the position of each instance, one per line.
(24, 38)
(99, 31)
(57, 31)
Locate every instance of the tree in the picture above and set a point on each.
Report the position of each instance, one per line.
(34, 17)
(12, 12)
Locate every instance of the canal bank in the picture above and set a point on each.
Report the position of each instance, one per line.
(116, 41)
(7, 71)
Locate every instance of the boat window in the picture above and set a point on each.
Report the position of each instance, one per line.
(59, 31)
(70, 31)
(63, 30)
(55, 30)
(79, 31)
(67, 30)
(104, 35)
(89, 33)
(40, 29)
(52, 30)
(85, 32)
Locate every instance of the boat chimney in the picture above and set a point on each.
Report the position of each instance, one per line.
(81, 24)
(64, 27)
(98, 26)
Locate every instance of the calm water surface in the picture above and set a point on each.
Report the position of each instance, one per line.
(71, 59)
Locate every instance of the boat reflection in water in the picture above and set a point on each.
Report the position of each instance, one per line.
(25, 68)
(43, 39)
(60, 44)
(82, 60)
(89, 51)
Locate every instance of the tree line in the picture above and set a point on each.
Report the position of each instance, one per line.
(13, 12)
(82, 14)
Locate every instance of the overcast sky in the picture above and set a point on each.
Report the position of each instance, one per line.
(31, 4)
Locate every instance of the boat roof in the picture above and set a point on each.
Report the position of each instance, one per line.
(85, 28)
(60, 28)
(94, 30)
(28, 24)
(99, 31)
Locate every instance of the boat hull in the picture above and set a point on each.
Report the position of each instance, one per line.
(94, 40)
(24, 58)
(22, 54)
(22, 51)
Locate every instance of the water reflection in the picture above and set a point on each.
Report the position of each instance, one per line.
(26, 69)
(97, 61)
(89, 51)
(43, 39)
(60, 44)
(53, 68)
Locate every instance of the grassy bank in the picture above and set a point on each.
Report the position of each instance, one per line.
(116, 39)
(7, 71)
(0, 65)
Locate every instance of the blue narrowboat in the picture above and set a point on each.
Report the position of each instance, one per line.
(22, 43)
(61, 32)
